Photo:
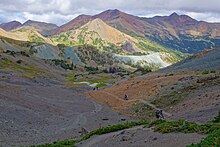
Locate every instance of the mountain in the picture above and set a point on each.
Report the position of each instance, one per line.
(42, 27)
(24, 34)
(10, 25)
(114, 18)
(73, 24)
(205, 60)
(106, 38)
(184, 33)
(126, 23)
(98, 32)
(178, 32)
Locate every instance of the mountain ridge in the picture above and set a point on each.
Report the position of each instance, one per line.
(10, 25)
(178, 32)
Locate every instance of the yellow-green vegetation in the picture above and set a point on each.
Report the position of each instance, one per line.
(66, 39)
(35, 38)
(24, 69)
(103, 79)
(63, 38)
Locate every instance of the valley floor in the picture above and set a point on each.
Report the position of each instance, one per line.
(33, 112)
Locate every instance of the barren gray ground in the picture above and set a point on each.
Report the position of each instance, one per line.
(42, 112)
(141, 137)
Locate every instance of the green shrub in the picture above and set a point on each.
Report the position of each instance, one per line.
(19, 61)
(183, 126)
(212, 140)
(212, 71)
(217, 118)
(113, 128)
(205, 72)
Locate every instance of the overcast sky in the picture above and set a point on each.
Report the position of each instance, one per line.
(62, 11)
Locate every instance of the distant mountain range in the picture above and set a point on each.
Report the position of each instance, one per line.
(135, 41)
(41, 27)
(178, 32)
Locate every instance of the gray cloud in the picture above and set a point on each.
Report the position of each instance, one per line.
(61, 11)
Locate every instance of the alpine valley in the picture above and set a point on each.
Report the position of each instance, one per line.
(65, 85)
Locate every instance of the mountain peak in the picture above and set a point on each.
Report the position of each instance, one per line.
(97, 22)
(180, 20)
(174, 14)
(28, 22)
(10, 25)
(112, 11)
(109, 14)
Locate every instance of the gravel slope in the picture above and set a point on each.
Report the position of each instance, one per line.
(34, 113)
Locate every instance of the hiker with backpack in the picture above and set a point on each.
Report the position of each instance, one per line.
(159, 114)
(126, 97)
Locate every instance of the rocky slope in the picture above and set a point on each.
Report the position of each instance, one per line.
(25, 34)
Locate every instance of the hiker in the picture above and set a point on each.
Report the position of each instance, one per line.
(97, 88)
(159, 114)
(93, 88)
(126, 97)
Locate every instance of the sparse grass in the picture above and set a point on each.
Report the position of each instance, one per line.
(99, 131)
(102, 80)
(142, 111)
(183, 126)
(24, 69)
(174, 97)
(74, 85)
(205, 72)
(113, 128)
(64, 143)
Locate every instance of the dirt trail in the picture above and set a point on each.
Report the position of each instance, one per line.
(135, 100)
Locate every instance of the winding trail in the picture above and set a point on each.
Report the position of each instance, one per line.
(141, 100)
